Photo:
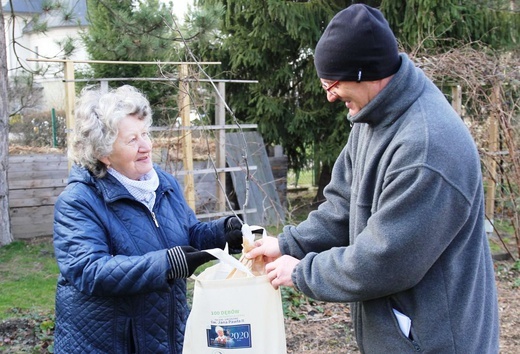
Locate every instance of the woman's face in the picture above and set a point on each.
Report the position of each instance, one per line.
(132, 151)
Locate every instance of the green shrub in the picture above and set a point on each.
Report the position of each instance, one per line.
(36, 129)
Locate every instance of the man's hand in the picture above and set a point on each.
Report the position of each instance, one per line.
(278, 268)
(267, 247)
(279, 272)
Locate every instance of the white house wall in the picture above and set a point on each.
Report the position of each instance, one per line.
(48, 47)
(41, 45)
(18, 23)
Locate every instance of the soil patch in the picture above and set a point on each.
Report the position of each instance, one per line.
(329, 330)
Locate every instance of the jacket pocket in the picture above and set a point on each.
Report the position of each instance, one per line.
(405, 325)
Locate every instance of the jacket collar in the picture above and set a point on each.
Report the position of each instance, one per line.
(109, 187)
(390, 104)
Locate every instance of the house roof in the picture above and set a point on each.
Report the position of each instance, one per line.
(71, 12)
(23, 6)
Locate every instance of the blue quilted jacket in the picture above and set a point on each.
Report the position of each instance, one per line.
(113, 295)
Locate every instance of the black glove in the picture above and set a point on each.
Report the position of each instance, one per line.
(233, 234)
(184, 260)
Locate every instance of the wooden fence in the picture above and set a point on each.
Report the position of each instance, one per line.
(35, 181)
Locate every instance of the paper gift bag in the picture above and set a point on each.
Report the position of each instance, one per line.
(234, 311)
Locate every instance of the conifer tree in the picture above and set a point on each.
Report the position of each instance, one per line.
(273, 42)
(446, 23)
(127, 30)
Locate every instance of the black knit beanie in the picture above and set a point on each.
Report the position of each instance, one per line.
(357, 45)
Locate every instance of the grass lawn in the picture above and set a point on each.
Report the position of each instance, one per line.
(28, 274)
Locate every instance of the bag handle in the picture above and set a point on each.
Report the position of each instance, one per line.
(228, 259)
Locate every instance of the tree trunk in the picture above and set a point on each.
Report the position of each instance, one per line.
(325, 175)
(5, 224)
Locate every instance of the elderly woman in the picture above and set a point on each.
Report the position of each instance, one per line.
(124, 236)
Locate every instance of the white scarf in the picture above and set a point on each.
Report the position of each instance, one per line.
(143, 190)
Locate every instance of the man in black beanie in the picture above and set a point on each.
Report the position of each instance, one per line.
(401, 234)
(357, 45)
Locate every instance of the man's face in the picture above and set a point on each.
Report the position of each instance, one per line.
(355, 95)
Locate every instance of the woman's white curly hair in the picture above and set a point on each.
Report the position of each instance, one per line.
(97, 116)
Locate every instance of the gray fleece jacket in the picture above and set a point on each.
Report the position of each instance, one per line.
(402, 228)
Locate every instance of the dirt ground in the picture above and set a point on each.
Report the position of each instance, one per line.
(336, 336)
(333, 325)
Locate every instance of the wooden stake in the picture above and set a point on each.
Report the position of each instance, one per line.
(221, 151)
(184, 108)
(456, 101)
(492, 164)
(70, 96)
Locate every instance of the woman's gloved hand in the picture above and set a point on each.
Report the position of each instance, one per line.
(184, 260)
(233, 234)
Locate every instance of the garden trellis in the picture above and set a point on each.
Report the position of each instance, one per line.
(184, 103)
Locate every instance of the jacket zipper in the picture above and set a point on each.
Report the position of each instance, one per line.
(416, 346)
(154, 219)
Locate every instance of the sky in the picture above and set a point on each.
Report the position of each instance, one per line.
(180, 7)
